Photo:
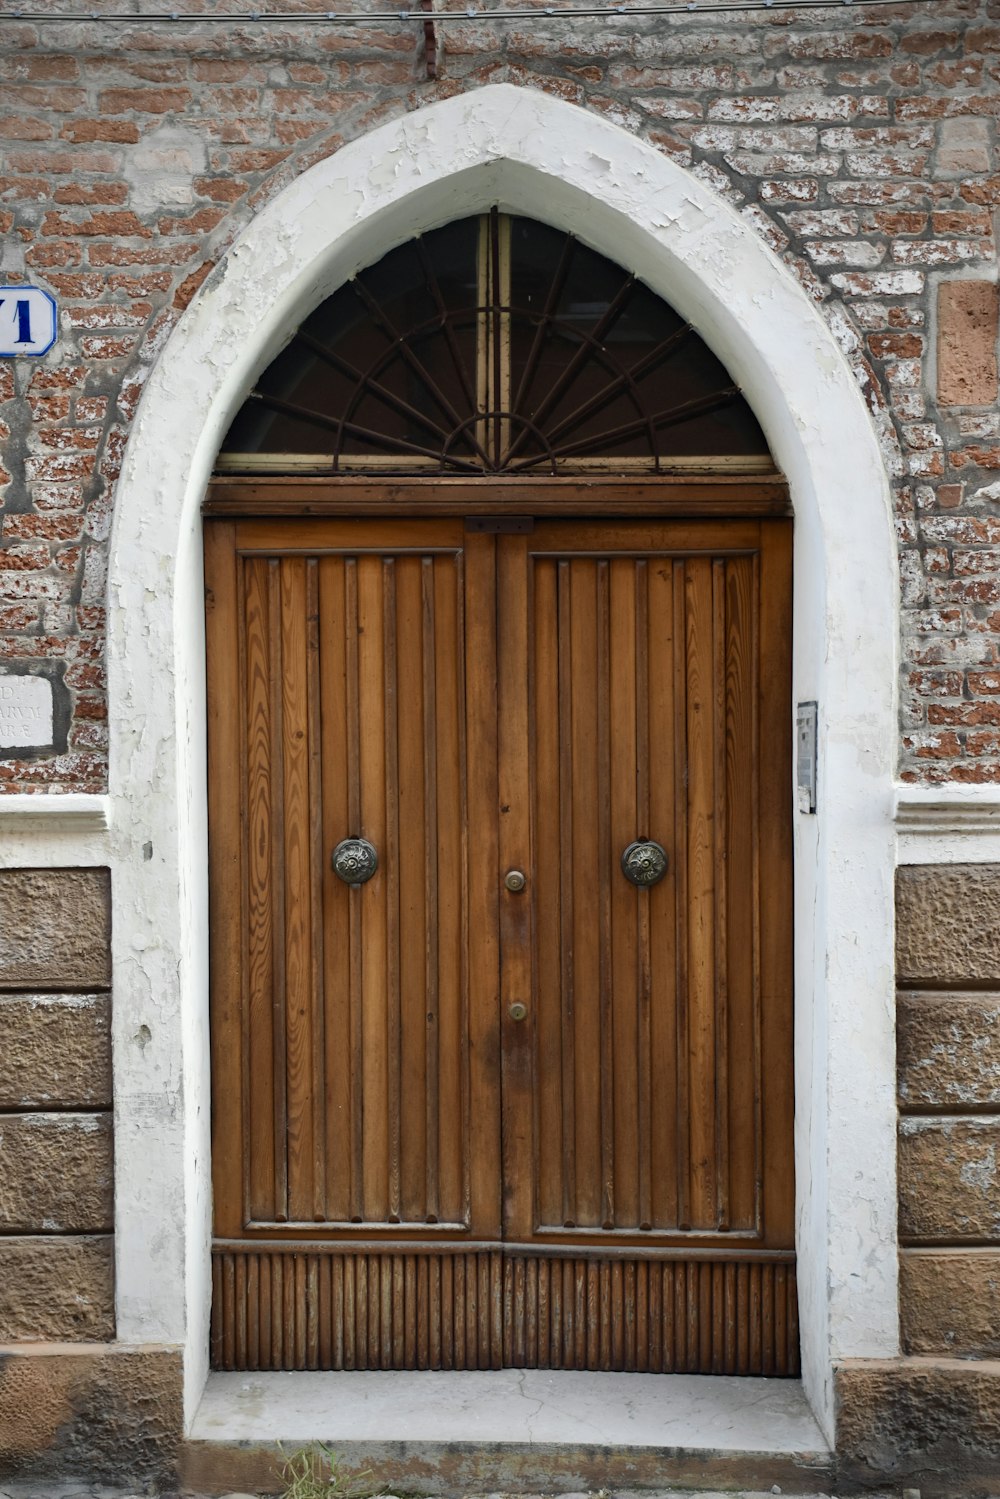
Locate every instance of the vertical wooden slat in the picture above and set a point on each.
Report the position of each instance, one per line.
(352, 606)
(742, 894)
(701, 881)
(681, 844)
(583, 756)
(258, 1059)
(217, 1341)
(253, 1306)
(643, 961)
(602, 876)
(432, 934)
(277, 888)
(297, 881)
(567, 855)
(337, 989)
(316, 861)
(720, 824)
(375, 897)
(552, 1103)
(393, 1021)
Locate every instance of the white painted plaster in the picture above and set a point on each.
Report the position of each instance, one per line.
(537, 155)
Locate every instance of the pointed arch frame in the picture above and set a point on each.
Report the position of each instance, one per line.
(536, 155)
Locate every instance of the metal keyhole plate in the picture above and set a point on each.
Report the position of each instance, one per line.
(517, 1011)
(515, 881)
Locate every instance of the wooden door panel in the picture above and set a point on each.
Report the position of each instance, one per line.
(353, 1021)
(640, 698)
(406, 1174)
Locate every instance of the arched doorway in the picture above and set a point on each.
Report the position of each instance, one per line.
(529, 150)
(499, 579)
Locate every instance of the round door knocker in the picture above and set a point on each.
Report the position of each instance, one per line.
(355, 860)
(644, 863)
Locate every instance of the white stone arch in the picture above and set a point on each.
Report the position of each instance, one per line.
(536, 155)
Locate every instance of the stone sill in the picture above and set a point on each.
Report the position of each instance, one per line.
(24, 812)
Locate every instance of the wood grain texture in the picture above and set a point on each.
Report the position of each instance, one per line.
(492, 1309)
(346, 1008)
(608, 1182)
(633, 698)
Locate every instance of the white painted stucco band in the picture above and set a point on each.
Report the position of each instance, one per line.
(539, 156)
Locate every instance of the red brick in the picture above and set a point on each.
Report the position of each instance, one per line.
(104, 193)
(123, 223)
(57, 252)
(219, 70)
(49, 408)
(896, 345)
(106, 346)
(221, 189)
(926, 43)
(190, 285)
(24, 128)
(158, 101)
(140, 286)
(987, 192)
(64, 163)
(122, 131)
(56, 100)
(110, 253)
(201, 222)
(960, 714)
(24, 189)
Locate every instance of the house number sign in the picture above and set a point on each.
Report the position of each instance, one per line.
(28, 321)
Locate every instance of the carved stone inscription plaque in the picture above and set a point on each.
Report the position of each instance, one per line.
(26, 713)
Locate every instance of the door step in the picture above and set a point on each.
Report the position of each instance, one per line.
(510, 1431)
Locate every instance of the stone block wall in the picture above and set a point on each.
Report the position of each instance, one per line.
(56, 1181)
(948, 1023)
(930, 1420)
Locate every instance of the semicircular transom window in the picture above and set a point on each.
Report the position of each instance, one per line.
(494, 345)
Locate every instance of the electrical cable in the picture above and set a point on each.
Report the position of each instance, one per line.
(446, 17)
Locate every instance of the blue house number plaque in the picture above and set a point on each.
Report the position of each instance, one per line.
(28, 321)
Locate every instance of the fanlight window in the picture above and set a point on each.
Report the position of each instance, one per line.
(494, 345)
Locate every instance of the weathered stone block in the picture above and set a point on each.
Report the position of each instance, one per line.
(928, 1424)
(55, 1049)
(55, 928)
(949, 1302)
(967, 343)
(57, 1289)
(947, 930)
(105, 1415)
(949, 1188)
(56, 1173)
(948, 1051)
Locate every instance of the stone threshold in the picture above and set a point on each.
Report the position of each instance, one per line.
(510, 1431)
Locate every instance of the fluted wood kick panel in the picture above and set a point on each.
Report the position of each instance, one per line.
(303, 1309)
(348, 1031)
(653, 1074)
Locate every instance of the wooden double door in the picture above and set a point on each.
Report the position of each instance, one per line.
(499, 1105)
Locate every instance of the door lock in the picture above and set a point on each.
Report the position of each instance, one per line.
(517, 1011)
(514, 880)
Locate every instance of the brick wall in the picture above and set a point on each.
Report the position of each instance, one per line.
(56, 1190)
(861, 145)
